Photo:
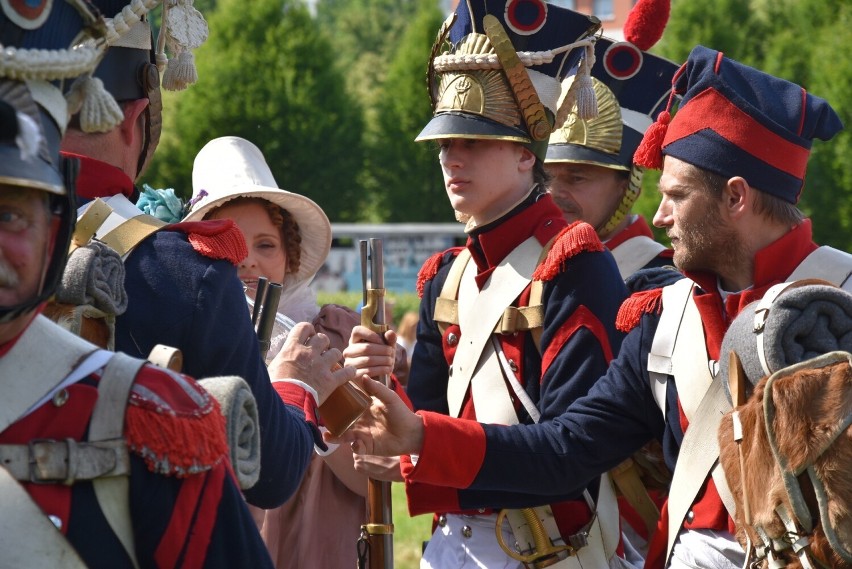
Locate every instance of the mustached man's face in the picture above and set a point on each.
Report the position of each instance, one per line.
(25, 234)
(586, 192)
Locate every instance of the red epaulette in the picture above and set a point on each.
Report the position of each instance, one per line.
(637, 305)
(215, 238)
(576, 238)
(174, 424)
(430, 268)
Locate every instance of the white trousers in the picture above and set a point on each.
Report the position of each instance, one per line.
(706, 549)
(470, 542)
(450, 549)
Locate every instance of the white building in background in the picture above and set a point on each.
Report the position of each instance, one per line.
(406, 246)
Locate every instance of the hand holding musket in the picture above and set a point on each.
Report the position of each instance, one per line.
(338, 409)
(375, 546)
(307, 358)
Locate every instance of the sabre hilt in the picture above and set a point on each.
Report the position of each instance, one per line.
(544, 552)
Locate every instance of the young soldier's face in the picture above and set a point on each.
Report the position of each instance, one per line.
(484, 178)
(586, 192)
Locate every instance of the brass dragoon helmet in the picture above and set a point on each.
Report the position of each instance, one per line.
(595, 140)
(631, 87)
(79, 57)
(499, 79)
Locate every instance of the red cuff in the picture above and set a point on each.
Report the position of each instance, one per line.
(452, 453)
(429, 499)
(294, 395)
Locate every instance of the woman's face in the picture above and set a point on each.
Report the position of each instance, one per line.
(267, 256)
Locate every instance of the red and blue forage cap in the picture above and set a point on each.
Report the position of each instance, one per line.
(500, 77)
(735, 120)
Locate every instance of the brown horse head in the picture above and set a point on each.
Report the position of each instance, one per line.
(794, 462)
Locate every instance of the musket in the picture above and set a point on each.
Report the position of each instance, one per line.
(265, 309)
(375, 545)
(259, 294)
(345, 404)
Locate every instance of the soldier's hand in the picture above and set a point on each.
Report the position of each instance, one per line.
(387, 428)
(306, 356)
(378, 467)
(369, 353)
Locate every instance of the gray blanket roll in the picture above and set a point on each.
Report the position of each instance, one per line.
(94, 275)
(802, 323)
(242, 424)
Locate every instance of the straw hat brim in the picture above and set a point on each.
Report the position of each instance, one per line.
(314, 226)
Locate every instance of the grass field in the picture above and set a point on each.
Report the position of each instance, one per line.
(409, 533)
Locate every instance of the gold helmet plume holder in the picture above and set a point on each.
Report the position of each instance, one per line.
(531, 106)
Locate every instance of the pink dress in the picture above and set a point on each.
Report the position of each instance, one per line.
(318, 527)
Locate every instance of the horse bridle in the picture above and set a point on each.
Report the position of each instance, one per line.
(798, 519)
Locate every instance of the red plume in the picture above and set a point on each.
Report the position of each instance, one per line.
(650, 151)
(646, 22)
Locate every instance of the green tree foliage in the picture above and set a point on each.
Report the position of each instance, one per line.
(267, 74)
(365, 35)
(731, 26)
(805, 41)
(812, 50)
(406, 173)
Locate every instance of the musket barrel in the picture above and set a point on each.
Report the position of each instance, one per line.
(377, 273)
(378, 531)
(267, 316)
(365, 284)
(259, 294)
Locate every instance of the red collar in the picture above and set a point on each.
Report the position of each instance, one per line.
(772, 265)
(488, 247)
(100, 180)
(638, 228)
